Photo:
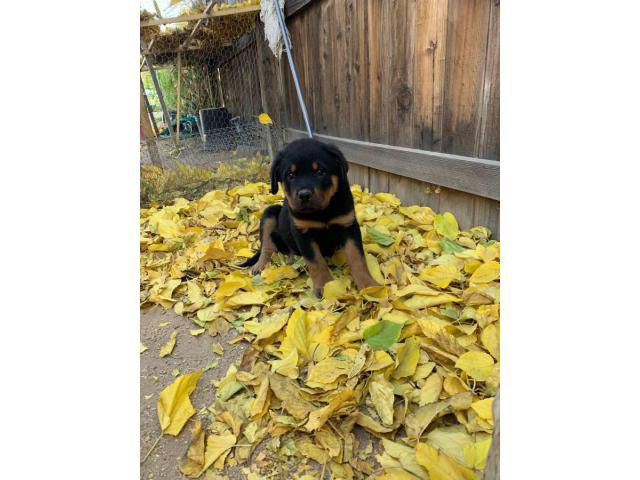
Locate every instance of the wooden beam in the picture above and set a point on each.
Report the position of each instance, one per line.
(158, 12)
(466, 174)
(197, 26)
(165, 112)
(291, 7)
(147, 133)
(220, 87)
(178, 98)
(200, 16)
(149, 110)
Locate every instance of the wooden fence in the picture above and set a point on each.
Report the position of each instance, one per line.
(422, 75)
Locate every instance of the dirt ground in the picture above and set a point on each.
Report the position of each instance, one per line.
(191, 353)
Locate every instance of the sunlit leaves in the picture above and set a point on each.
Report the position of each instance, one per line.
(414, 359)
(174, 405)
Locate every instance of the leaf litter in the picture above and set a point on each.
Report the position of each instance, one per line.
(414, 361)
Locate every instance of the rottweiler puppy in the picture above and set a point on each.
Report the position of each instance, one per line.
(317, 217)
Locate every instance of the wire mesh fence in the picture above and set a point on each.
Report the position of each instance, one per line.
(203, 100)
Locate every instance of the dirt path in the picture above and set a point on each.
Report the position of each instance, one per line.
(191, 353)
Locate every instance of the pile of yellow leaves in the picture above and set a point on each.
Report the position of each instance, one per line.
(415, 361)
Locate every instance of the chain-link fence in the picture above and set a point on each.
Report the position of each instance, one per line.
(203, 97)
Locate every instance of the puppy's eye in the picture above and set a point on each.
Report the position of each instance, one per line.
(291, 175)
(320, 172)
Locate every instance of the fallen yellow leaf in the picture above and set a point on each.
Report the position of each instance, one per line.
(478, 365)
(167, 348)
(174, 405)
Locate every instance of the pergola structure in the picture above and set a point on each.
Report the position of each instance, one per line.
(202, 39)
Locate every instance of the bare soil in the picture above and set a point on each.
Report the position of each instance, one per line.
(191, 353)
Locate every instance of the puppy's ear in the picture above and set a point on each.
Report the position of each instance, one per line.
(337, 154)
(275, 172)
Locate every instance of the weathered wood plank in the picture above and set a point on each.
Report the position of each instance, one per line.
(467, 35)
(461, 204)
(359, 175)
(379, 74)
(165, 112)
(200, 16)
(466, 174)
(179, 67)
(147, 133)
(148, 109)
(360, 93)
(487, 213)
(325, 117)
(263, 92)
(340, 43)
(429, 67)
(488, 143)
(378, 180)
(400, 104)
(413, 192)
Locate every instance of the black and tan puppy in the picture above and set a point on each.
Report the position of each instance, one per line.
(317, 217)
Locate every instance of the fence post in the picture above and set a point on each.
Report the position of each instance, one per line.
(165, 112)
(149, 110)
(178, 98)
(147, 133)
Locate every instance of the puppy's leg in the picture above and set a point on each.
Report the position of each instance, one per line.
(354, 253)
(268, 228)
(316, 264)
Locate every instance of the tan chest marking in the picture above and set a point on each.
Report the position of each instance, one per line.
(344, 220)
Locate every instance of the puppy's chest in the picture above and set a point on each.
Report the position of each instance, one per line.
(329, 239)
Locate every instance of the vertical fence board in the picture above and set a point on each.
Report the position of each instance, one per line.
(379, 69)
(400, 102)
(378, 181)
(429, 63)
(467, 29)
(488, 144)
(359, 175)
(340, 42)
(487, 213)
(461, 204)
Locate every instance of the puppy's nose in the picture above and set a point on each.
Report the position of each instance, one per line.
(304, 195)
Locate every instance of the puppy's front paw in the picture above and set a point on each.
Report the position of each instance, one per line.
(366, 283)
(256, 269)
(318, 287)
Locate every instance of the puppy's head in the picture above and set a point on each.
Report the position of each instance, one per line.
(310, 172)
